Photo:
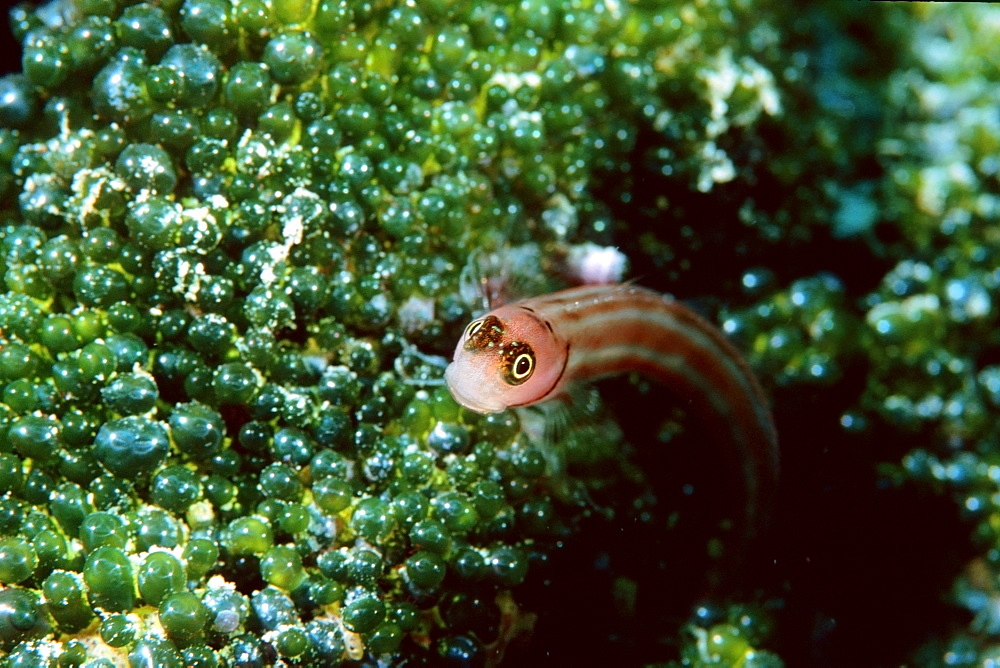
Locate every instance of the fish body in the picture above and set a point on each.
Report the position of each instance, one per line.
(531, 351)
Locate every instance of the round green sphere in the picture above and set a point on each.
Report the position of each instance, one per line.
(131, 446)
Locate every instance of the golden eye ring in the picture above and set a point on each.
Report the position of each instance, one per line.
(473, 327)
(521, 368)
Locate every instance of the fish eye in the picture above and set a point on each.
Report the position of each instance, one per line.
(473, 327)
(521, 368)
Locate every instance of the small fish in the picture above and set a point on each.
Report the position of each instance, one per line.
(531, 351)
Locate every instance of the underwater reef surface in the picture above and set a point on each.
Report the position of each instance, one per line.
(238, 240)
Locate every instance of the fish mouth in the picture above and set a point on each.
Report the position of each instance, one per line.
(454, 380)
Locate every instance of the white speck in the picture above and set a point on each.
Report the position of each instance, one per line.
(723, 78)
(415, 313)
(716, 168)
(218, 202)
(561, 216)
(596, 265)
(512, 81)
(227, 621)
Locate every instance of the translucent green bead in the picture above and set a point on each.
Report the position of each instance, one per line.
(452, 48)
(508, 565)
(430, 535)
(69, 506)
(131, 446)
(38, 486)
(21, 618)
(117, 630)
(154, 651)
(281, 566)
(11, 474)
(17, 361)
(274, 608)
(45, 60)
(488, 497)
(293, 445)
(131, 394)
(52, 550)
(18, 100)
(220, 491)
(67, 379)
(292, 642)
(110, 492)
(200, 556)
(102, 529)
(255, 20)
(102, 244)
(332, 495)
(449, 438)
(278, 120)
(200, 656)
(309, 106)
(197, 429)
(96, 361)
(234, 383)
(279, 481)
(385, 639)
(175, 129)
(57, 334)
(405, 614)
(373, 520)
(333, 564)
(294, 518)
(175, 488)
(247, 535)
(425, 571)
(444, 406)
(200, 72)
(407, 26)
(146, 167)
(325, 592)
(293, 57)
(36, 437)
(183, 616)
(456, 511)
(248, 89)
(254, 436)
(66, 602)
(208, 22)
(109, 578)
(17, 560)
(118, 91)
(206, 155)
(21, 395)
(74, 653)
(529, 463)
(364, 613)
(156, 528)
(79, 466)
(146, 27)
(410, 508)
(291, 12)
(160, 574)
(332, 18)
(468, 564)
(22, 316)
(364, 566)
(100, 286)
(59, 260)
